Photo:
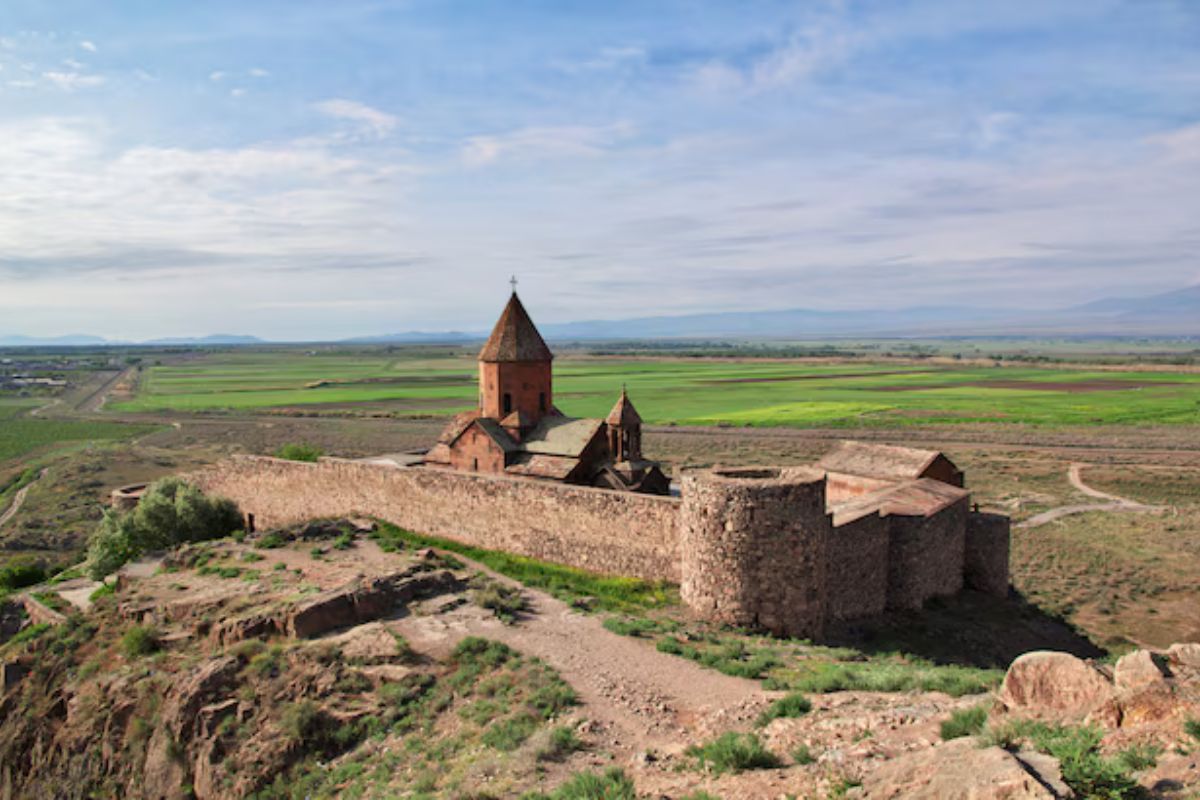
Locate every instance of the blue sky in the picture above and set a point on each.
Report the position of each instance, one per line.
(306, 170)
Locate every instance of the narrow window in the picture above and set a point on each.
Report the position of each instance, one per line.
(542, 402)
(507, 403)
(475, 464)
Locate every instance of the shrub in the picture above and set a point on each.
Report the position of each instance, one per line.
(344, 541)
(509, 734)
(1191, 727)
(102, 591)
(802, 755)
(19, 573)
(733, 752)
(562, 743)
(506, 602)
(1077, 749)
(170, 513)
(270, 541)
(613, 784)
(140, 640)
(299, 451)
(793, 705)
(965, 722)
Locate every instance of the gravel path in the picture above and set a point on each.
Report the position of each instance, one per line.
(640, 698)
(1113, 504)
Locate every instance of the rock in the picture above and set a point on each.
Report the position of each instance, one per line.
(11, 673)
(1044, 683)
(366, 644)
(1187, 655)
(958, 770)
(1173, 773)
(1045, 769)
(1138, 670)
(358, 602)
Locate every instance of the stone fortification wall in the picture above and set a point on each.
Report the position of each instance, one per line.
(925, 555)
(753, 546)
(627, 534)
(986, 556)
(856, 572)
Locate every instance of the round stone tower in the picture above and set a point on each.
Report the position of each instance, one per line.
(753, 547)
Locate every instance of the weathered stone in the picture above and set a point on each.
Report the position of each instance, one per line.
(958, 770)
(361, 602)
(1187, 654)
(1044, 683)
(1138, 670)
(11, 673)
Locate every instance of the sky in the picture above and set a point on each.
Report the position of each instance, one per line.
(316, 170)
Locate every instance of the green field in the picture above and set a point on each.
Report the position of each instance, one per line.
(21, 434)
(688, 391)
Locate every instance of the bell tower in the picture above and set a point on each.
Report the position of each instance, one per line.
(514, 372)
(624, 430)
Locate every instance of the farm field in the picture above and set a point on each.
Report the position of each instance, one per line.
(21, 434)
(686, 391)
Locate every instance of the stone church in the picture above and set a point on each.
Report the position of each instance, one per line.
(517, 430)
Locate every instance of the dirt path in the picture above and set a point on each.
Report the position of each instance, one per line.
(641, 698)
(1113, 504)
(19, 498)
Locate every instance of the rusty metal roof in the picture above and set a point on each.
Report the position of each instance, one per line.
(872, 460)
(623, 413)
(515, 337)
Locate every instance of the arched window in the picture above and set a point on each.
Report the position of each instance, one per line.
(507, 403)
(542, 402)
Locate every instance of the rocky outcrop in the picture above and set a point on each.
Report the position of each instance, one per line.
(1045, 683)
(961, 770)
(366, 601)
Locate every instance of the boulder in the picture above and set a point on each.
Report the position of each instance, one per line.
(961, 770)
(1187, 655)
(359, 602)
(1059, 685)
(1138, 670)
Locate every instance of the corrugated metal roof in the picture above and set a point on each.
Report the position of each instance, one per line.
(878, 460)
(561, 436)
(515, 337)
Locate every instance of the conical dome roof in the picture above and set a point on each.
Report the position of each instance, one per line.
(515, 337)
(623, 413)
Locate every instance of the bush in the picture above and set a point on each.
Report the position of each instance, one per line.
(140, 640)
(509, 734)
(793, 705)
(561, 744)
(102, 591)
(270, 541)
(733, 752)
(170, 513)
(1191, 727)
(299, 451)
(965, 722)
(802, 755)
(1077, 749)
(613, 784)
(19, 573)
(506, 602)
(344, 541)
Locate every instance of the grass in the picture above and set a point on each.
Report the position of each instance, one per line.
(140, 640)
(21, 434)
(612, 784)
(728, 655)
(965, 722)
(1191, 727)
(733, 752)
(819, 677)
(299, 452)
(585, 589)
(690, 391)
(790, 706)
(1084, 768)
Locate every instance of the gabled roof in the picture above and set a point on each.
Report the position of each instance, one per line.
(542, 466)
(517, 419)
(457, 425)
(878, 460)
(497, 434)
(515, 337)
(561, 436)
(919, 498)
(623, 413)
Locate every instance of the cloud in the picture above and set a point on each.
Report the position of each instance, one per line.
(536, 143)
(237, 92)
(70, 81)
(373, 121)
(218, 75)
(87, 45)
(258, 72)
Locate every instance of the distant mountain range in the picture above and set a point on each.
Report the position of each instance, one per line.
(1175, 313)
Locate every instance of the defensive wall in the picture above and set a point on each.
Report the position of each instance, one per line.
(754, 546)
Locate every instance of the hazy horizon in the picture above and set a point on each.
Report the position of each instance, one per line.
(369, 167)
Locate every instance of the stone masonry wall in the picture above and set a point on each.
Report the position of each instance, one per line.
(602, 531)
(925, 556)
(753, 547)
(986, 559)
(856, 572)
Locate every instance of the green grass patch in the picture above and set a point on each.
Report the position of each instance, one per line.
(818, 677)
(585, 589)
(612, 784)
(140, 640)
(733, 752)
(965, 722)
(299, 452)
(792, 705)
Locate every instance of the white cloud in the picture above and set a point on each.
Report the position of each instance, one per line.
(89, 46)
(543, 142)
(237, 92)
(70, 81)
(217, 75)
(258, 72)
(373, 121)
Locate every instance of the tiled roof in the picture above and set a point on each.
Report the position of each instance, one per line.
(878, 460)
(515, 337)
(561, 436)
(543, 466)
(623, 413)
(457, 425)
(920, 498)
